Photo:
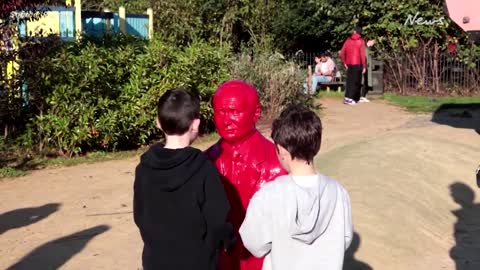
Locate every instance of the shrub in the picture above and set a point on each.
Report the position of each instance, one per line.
(279, 82)
(102, 94)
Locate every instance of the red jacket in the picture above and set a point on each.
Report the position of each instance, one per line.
(353, 51)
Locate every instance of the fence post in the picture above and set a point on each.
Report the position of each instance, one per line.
(108, 23)
(309, 80)
(150, 23)
(121, 15)
(78, 19)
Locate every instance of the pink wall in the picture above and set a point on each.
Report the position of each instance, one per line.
(458, 9)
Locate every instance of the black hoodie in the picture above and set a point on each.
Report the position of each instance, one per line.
(180, 208)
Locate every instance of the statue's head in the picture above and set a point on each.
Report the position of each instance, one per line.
(236, 109)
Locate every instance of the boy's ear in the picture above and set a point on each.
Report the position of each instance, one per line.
(195, 124)
(157, 121)
(282, 152)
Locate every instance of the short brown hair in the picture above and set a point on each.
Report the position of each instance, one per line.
(298, 130)
(177, 108)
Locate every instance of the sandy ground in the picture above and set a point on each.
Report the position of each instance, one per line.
(411, 183)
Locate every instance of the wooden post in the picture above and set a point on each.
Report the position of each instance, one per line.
(309, 80)
(150, 23)
(78, 19)
(108, 23)
(121, 15)
(328, 88)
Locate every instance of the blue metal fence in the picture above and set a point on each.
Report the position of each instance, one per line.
(66, 16)
(137, 25)
(98, 23)
(67, 24)
(94, 23)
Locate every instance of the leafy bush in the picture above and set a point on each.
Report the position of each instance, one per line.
(278, 81)
(102, 94)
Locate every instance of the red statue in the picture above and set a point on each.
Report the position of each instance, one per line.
(244, 158)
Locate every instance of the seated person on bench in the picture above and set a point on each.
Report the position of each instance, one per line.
(324, 69)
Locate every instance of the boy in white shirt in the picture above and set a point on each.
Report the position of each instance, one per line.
(300, 221)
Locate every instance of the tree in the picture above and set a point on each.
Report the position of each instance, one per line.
(13, 12)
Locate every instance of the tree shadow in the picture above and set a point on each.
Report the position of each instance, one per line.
(54, 254)
(350, 262)
(26, 216)
(466, 252)
(458, 116)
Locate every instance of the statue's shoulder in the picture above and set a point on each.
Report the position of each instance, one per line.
(261, 140)
(264, 149)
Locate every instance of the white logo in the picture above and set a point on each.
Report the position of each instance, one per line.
(419, 20)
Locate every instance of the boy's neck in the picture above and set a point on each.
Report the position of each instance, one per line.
(177, 141)
(302, 168)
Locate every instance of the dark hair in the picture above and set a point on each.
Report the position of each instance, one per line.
(299, 130)
(177, 108)
(320, 55)
(358, 30)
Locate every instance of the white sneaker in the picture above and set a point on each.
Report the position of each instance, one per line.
(363, 99)
(348, 101)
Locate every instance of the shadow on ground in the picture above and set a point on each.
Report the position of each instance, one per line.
(459, 116)
(54, 254)
(350, 262)
(466, 231)
(26, 216)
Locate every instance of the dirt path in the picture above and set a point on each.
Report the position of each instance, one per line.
(396, 166)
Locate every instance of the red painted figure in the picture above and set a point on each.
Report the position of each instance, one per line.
(244, 158)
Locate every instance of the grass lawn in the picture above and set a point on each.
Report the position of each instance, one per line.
(426, 104)
(332, 94)
(418, 104)
(15, 165)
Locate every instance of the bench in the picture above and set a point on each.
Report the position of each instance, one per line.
(338, 82)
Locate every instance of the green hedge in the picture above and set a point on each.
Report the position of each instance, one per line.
(102, 94)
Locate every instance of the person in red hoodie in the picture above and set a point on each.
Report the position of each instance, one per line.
(353, 55)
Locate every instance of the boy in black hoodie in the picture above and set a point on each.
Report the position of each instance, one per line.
(180, 205)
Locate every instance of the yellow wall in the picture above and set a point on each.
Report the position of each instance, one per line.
(12, 67)
(50, 24)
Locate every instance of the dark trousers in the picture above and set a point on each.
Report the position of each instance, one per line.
(354, 82)
(365, 85)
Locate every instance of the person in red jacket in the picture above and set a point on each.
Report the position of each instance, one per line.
(353, 55)
(245, 159)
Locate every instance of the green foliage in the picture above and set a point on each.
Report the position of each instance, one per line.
(103, 94)
(427, 104)
(132, 6)
(278, 81)
(9, 172)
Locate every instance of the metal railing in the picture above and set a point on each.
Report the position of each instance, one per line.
(440, 73)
